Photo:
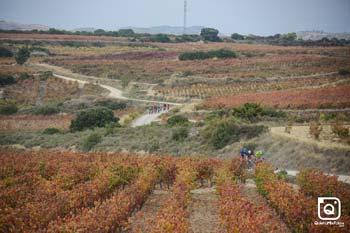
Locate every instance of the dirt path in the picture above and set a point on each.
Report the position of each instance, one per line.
(251, 193)
(143, 220)
(204, 211)
(146, 119)
(114, 92)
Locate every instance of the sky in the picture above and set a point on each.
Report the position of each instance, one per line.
(260, 17)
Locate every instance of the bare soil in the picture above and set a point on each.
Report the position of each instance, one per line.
(143, 220)
(204, 211)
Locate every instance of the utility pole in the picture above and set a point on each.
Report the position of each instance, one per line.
(185, 17)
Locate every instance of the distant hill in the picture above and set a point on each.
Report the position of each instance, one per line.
(4, 25)
(87, 29)
(167, 30)
(318, 35)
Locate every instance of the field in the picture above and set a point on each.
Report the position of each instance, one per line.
(73, 158)
(334, 97)
(88, 192)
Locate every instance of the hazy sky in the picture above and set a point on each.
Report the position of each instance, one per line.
(243, 16)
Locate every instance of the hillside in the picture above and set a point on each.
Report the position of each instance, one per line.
(4, 25)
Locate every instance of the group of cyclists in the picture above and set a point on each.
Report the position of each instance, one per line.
(251, 157)
(157, 108)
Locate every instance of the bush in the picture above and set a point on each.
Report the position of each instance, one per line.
(180, 134)
(343, 72)
(200, 55)
(113, 105)
(236, 36)
(177, 120)
(4, 52)
(219, 134)
(110, 128)
(315, 129)
(22, 55)
(162, 38)
(51, 131)
(91, 141)
(8, 109)
(6, 80)
(45, 75)
(253, 112)
(47, 110)
(339, 129)
(91, 118)
(210, 34)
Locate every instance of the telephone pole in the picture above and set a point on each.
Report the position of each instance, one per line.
(185, 17)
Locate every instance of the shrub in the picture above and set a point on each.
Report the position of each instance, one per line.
(91, 141)
(221, 133)
(47, 110)
(45, 75)
(177, 120)
(253, 112)
(249, 111)
(51, 131)
(315, 129)
(8, 109)
(22, 55)
(110, 128)
(236, 36)
(6, 80)
(4, 52)
(91, 118)
(200, 55)
(180, 134)
(162, 38)
(339, 129)
(210, 34)
(113, 105)
(343, 72)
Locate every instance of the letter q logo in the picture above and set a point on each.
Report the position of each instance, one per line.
(329, 208)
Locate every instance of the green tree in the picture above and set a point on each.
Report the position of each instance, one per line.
(126, 32)
(289, 36)
(91, 118)
(4, 52)
(210, 34)
(22, 55)
(236, 36)
(162, 38)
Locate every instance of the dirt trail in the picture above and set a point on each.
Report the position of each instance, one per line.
(204, 211)
(143, 220)
(251, 193)
(115, 93)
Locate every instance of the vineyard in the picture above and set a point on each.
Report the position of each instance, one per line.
(75, 192)
(203, 90)
(331, 97)
(52, 90)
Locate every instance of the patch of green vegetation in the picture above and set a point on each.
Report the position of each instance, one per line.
(47, 110)
(180, 134)
(91, 118)
(5, 52)
(6, 79)
(22, 55)
(177, 120)
(200, 55)
(51, 131)
(8, 109)
(254, 112)
(91, 141)
(218, 134)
